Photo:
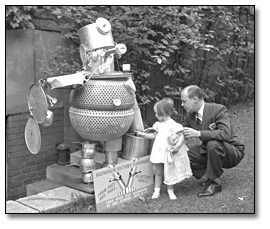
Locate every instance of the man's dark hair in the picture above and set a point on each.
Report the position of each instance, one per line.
(194, 90)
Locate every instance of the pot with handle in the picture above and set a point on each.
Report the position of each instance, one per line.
(135, 146)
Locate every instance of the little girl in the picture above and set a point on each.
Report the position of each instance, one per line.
(169, 153)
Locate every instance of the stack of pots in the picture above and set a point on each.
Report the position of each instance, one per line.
(103, 108)
(87, 162)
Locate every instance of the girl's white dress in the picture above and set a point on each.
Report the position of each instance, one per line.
(179, 169)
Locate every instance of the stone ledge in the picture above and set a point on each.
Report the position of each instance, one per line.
(45, 200)
(16, 207)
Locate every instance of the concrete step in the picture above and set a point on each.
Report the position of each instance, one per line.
(41, 186)
(70, 176)
(46, 200)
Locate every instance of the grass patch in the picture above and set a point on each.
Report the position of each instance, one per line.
(80, 205)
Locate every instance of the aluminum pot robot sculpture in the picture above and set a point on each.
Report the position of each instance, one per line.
(103, 103)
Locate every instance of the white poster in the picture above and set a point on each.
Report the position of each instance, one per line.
(123, 182)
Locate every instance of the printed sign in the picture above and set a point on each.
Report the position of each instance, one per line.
(123, 182)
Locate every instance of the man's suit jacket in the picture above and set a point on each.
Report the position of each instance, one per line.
(218, 114)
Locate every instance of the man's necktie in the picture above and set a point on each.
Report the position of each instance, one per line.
(199, 122)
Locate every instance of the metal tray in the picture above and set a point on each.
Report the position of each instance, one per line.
(32, 135)
(37, 103)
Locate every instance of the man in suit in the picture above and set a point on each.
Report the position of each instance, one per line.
(220, 146)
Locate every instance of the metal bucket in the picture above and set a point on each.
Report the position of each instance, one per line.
(136, 147)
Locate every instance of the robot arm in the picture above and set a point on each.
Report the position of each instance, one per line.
(67, 80)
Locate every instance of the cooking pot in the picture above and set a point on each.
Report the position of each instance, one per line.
(87, 177)
(135, 146)
(87, 165)
(96, 35)
(88, 153)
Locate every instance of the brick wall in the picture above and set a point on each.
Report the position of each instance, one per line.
(22, 167)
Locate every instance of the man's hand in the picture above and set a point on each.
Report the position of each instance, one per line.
(191, 133)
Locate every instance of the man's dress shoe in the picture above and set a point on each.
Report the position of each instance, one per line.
(206, 182)
(210, 190)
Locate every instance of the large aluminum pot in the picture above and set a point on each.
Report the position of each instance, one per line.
(135, 146)
(96, 35)
(103, 95)
(98, 125)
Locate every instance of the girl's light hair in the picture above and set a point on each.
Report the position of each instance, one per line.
(165, 107)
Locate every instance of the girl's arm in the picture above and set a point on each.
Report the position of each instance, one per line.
(147, 135)
(179, 143)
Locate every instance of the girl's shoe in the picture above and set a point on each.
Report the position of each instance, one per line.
(155, 195)
(172, 195)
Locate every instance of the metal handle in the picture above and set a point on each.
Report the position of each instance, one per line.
(51, 100)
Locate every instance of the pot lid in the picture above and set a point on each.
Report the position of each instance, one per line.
(113, 75)
(37, 103)
(83, 54)
(32, 135)
(103, 25)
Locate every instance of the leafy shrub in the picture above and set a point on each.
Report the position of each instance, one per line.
(211, 46)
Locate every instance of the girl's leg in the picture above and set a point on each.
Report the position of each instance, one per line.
(171, 193)
(158, 171)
